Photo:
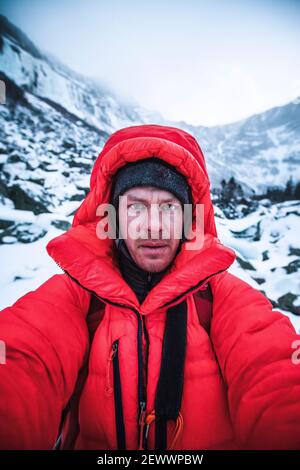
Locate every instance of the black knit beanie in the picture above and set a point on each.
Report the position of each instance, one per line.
(150, 172)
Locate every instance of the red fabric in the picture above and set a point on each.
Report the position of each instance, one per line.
(203, 301)
(241, 389)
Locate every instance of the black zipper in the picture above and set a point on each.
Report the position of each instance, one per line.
(146, 375)
(118, 398)
(141, 385)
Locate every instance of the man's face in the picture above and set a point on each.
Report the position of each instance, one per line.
(157, 218)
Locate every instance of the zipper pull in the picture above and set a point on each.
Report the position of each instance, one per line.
(149, 419)
(108, 387)
(115, 349)
(142, 411)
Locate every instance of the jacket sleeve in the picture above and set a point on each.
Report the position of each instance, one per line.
(46, 339)
(255, 345)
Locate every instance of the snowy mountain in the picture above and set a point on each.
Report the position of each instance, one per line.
(44, 77)
(268, 143)
(53, 125)
(41, 88)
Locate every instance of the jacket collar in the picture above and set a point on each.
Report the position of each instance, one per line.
(93, 263)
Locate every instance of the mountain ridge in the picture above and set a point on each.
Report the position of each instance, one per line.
(269, 142)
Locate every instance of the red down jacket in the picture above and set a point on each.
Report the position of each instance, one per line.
(241, 387)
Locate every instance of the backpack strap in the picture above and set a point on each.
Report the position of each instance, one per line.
(170, 384)
(204, 300)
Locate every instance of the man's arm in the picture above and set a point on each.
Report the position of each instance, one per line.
(46, 339)
(254, 347)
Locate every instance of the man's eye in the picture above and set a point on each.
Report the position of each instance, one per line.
(135, 207)
(169, 207)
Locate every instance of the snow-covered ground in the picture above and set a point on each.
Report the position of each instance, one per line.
(267, 245)
(24, 266)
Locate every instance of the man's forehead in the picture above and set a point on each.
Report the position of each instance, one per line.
(149, 193)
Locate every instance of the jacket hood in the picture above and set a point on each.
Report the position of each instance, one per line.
(93, 262)
(134, 143)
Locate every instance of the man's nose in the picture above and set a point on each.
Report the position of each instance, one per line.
(154, 221)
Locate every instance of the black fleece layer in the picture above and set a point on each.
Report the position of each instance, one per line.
(139, 280)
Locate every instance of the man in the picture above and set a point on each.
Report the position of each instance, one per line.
(116, 342)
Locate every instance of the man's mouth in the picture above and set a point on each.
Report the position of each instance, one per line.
(153, 244)
(154, 247)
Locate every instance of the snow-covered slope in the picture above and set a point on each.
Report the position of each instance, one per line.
(268, 143)
(52, 125)
(50, 81)
(260, 151)
(267, 245)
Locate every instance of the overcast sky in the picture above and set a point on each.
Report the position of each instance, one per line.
(205, 62)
